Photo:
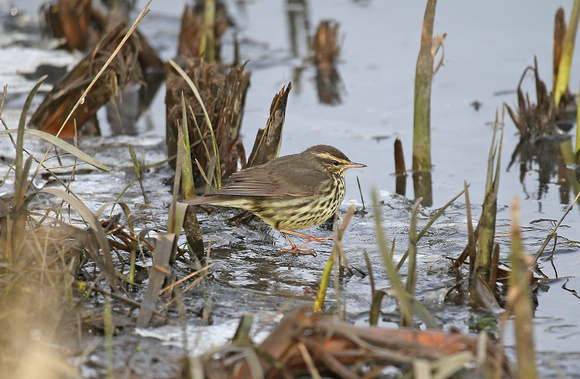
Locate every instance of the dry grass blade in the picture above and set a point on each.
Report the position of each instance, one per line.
(166, 245)
(309, 361)
(519, 301)
(63, 145)
(198, 272)
(108, 326)
(106, 266)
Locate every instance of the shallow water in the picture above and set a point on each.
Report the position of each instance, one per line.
(488, 45)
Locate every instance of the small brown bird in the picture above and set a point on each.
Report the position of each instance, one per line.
(292, 192)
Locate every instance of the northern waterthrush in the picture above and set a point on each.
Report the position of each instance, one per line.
(292, 192)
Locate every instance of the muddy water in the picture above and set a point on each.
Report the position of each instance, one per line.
(488, 45)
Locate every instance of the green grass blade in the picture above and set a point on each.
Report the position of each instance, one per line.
(187, 184)
(412, 267)
(321, 295)
(406, 317)
(20, 177)
(428, 225)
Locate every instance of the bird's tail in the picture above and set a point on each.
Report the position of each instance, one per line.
(220, 200)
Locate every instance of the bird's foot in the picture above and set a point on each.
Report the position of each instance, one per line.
(314, 239)
(297, 250)
(304, 236)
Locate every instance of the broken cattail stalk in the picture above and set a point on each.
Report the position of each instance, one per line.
(268, 140)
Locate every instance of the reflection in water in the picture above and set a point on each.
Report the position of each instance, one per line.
(542, 141)
(329, 86)
(551, 155)
(323, 47)
(298, 27)
(327, 50)
(124, 111)
(423, 186)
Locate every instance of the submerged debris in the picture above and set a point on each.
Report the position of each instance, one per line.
(317, 345)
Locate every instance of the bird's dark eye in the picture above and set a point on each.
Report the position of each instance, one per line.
(335, 163)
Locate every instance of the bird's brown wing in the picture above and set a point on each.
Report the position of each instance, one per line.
(263, 181)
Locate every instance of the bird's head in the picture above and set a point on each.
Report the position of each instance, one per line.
(330, 159)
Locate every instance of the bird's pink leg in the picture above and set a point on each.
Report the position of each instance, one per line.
(308, 239)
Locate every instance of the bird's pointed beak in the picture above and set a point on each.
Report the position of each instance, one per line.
(355, 165)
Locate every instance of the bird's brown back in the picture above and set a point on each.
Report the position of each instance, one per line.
(291, 192)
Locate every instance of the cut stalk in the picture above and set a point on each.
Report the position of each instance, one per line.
(423, 81)
(567, 53)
